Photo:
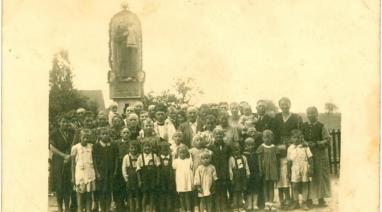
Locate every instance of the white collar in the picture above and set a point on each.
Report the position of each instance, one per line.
(165, 156)
(103, 144)
(272, 145)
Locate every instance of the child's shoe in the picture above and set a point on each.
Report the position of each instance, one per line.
(322, 203)
(273, 207)
(309, 203)
(196, 209)
(294, 206)
(304, 206)
(255, 208)
(282, 206)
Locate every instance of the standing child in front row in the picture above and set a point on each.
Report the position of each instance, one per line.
(83, 172)
(199, 143)
(148, 163)
(176, 143)
(253, 181)
(184, 177)
(204, 181)
(166, 178)
(238, 173)
(299, 168)
(129, 171)
(268, 168)
(220, 156)
(105, 156)
(283, 182)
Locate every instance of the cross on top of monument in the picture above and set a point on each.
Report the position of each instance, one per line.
(124, 5)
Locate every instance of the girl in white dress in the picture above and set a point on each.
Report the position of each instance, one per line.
(83, 173)
(184, 177)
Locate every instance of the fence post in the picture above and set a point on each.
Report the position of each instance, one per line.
(330, 151)
(335, 153)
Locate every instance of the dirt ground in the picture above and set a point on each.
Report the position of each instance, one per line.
(332, 202)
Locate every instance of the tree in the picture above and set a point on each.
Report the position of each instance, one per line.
(62, 95)
(330, 107)
(182, 92)
(186, 89)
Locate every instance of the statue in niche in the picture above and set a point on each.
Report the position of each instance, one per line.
(125, 48)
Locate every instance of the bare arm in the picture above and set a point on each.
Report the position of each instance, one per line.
(230, 166)
(246, 166)
(125, 165)
(58, 152)
(73, 155)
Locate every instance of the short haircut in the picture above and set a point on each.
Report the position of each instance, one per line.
(249, 140)
(206, 154)
(134, 143)
(211, 118)
(134, 115)
(285, 99)
(296, 132)
(218, 129)
(164, 145)
(147, 121)
(161, 108)
(262, 101)
(268, 133)
(312, 108)
(86, 131)
(177, 133)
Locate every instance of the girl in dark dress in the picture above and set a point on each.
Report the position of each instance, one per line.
(129, 171)
(239, 173)
(105, 157)
(60, 143)
(148, 172)
(166, 178)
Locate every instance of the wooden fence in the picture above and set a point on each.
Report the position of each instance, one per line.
(334, 152)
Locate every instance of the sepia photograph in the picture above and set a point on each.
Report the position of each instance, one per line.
(191, 105)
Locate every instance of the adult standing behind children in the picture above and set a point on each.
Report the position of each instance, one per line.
(282, 126)
(318, 138)
(161, 128)
(60, 143)
(264, 121)
(189, 128)
(231, 134)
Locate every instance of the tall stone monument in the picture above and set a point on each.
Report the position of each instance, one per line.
(125, 77)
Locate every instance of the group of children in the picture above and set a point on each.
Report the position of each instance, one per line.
(139, 171)
(190, 173)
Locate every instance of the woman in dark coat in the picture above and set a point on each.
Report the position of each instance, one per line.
(60, 143)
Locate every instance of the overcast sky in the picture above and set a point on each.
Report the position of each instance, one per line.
(236, 50)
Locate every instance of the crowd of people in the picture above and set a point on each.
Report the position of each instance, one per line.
(217, 157)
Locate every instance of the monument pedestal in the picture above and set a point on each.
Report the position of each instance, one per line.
(126, 93)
